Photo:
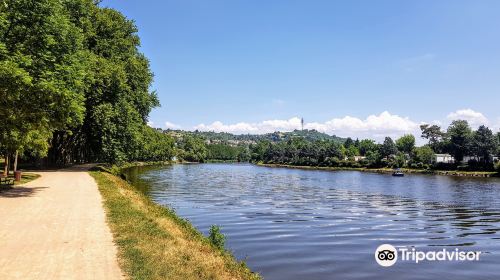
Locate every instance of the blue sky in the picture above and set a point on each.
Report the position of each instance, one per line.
(361, 68)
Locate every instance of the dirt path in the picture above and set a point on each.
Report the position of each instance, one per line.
(54, 228)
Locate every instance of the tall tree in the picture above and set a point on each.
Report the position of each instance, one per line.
(348, 142)
(460, 139)
(367, 145)
(388, 148)
(498, 143)
(118, 96)
(406, 143)
(484, 144)
(435, 136)
(42, 68)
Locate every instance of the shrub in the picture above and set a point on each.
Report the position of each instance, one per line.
(217, 238)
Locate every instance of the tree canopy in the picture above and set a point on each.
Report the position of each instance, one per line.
(71, 72)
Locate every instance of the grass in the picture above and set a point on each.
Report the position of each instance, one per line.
(154, 243)
(25, 178)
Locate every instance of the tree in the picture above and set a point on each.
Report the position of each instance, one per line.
(483, 144)
(117, 96)
(498, 143)
(388, 148)
(460, 138)
(348, 142)
(424, 154)
(42, 68)
(367, 145)
(406, 143)
(192, 149)
(374, 158)
(435, 136)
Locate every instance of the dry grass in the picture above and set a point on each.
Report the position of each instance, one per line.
(154, 243)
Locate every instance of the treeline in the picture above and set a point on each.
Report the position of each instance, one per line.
(225, 137)
(196, 149)
(459, 140)
(73, 85)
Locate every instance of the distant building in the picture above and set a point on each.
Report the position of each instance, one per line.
(445, 158)
(358, 158)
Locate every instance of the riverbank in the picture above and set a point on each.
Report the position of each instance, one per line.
(154, 243)
(389, 170)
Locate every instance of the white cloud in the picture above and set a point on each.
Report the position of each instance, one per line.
(474, 118)
(374, 126)
(256, 128)
(172, 125)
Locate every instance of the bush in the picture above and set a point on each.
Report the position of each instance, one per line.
(445, 166)
(497, 167)
(216, 237)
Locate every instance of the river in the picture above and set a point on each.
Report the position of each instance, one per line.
(291, 224)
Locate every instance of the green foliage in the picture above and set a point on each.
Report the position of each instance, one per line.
(192, 149)
(388, 148)
(73, 70)
(227, 152)
(460, 139)
(399, 160)
(367, 145)
(498, 143)
(484, 144)
(216, 237)
(42, 72)
(406, 143)
(424, 154)
(435, 136)
(310, 135)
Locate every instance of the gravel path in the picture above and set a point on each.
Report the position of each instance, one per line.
(54, 228)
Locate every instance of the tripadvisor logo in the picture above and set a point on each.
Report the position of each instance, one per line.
(387, 255)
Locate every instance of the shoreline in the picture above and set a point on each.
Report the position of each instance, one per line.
(455, 173)
(153, 241)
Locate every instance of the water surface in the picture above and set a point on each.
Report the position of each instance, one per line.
(291, 224)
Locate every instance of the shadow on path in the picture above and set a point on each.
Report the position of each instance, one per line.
(14, 192)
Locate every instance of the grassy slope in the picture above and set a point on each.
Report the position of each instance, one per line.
(154, 243)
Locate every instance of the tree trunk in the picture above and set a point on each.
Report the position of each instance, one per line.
(6, 165)
(15, 161)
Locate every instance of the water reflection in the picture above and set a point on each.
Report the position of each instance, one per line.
(296, 224)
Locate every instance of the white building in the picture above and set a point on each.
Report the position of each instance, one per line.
(358, 158)
(445, 158)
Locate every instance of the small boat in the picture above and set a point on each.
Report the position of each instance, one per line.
(398, 173)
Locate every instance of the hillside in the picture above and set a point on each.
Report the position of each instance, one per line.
(310, 135)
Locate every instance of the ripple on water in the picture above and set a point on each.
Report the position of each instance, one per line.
(305, 224)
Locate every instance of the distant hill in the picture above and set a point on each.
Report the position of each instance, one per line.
(310, 135)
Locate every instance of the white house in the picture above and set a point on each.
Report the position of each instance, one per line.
(358, 158)
(445, 158)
